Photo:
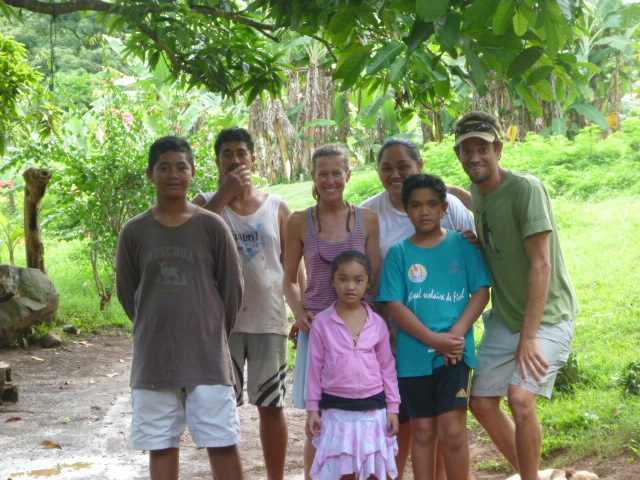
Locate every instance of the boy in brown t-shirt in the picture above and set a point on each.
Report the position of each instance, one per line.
(179, 281)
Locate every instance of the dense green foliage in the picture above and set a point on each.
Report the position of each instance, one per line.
(18, 82)
(425, 54)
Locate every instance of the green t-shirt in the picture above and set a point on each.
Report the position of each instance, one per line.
(520, 207)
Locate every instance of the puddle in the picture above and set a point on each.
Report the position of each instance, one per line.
(91, 468)
(57, 470)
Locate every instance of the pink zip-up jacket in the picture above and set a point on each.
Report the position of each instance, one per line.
(338, 367)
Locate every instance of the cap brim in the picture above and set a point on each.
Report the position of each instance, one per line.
(489, 137)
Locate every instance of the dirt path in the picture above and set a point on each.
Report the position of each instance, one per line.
(77, 398)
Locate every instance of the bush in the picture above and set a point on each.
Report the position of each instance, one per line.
(630, 378)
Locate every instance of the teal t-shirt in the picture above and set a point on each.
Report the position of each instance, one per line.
(436, 284)
(521, 207)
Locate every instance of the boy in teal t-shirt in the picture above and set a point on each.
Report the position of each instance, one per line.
(435, 284)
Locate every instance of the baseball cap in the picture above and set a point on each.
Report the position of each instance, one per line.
(476, 128)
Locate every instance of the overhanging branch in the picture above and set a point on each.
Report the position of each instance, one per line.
(61, 8)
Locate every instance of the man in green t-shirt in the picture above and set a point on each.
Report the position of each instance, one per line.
(528, 332)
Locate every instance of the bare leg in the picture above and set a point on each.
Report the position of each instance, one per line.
(225, 463)
(452, 436)
(498, 425)
(404, 447)
(441, 472)
(274, 438)
(528, 435)
(163, 464)
(309, 455)
(423, 448)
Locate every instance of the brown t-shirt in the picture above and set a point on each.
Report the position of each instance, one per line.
(182, 288)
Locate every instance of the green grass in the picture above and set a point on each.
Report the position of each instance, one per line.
(70, 271)
(600, 244)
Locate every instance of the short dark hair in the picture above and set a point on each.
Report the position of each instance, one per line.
(234, 134)
(423, 180)
(351, 256)
(169, 144)
(412, 148)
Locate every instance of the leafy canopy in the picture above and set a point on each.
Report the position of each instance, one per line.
(18, 82)
(421, 48)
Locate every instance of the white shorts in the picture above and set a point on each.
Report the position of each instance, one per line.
(160, 415)
(497, 367)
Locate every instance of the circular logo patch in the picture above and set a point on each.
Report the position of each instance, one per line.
(417, 273)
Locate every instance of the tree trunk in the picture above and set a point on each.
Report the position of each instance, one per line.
(36, 180)
(345, 127)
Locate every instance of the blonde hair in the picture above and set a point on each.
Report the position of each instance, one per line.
(329, 150)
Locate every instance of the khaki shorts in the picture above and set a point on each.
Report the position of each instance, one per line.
(160, 415)
(266, 357)
(497, 367)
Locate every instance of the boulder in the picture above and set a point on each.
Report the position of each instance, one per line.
(27, 298)
(51, 340)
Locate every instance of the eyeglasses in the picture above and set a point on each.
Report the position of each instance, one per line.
(482, 127)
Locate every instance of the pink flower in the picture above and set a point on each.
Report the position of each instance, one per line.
(127, 117)
(89, 235)
(2, 183)
(11, 184)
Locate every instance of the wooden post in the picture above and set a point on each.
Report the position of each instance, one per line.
(36, 180)
(8, 391)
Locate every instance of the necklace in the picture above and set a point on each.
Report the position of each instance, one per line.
(348, 216)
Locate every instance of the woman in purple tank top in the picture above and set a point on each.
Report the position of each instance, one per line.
(320, 234)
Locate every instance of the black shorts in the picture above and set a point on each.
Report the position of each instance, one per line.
(432, 395)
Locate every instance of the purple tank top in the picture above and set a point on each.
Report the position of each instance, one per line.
(318, 256)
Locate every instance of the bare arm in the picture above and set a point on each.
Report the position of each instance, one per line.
(283, 215)
(473, 310)
(446, 343)
(463, 195)
(528, 355)
(199, 200)
(372, 247)
(294, 245)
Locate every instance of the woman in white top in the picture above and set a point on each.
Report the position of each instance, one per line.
(398, 159)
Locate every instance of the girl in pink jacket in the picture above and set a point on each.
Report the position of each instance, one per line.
(352, 380)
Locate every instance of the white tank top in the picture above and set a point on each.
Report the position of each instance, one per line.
(257, 238)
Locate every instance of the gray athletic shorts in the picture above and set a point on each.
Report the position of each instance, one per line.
(497, 367)
(266, 357)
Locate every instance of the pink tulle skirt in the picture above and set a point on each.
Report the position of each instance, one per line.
(354, 442)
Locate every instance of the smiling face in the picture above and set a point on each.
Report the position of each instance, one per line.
(480, 160)
(330, 176)
(425, 209)
(394, 167)
(172, 174)
(351, 282)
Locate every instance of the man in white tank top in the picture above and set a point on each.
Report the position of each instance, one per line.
(259, 338)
